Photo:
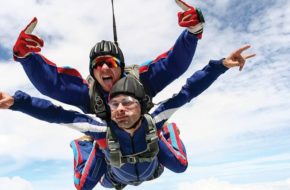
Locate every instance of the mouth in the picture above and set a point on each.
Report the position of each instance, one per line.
(121, 118)
(108, 80)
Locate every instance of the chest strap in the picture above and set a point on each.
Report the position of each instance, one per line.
(148, 155)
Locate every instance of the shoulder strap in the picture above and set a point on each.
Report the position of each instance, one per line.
(115, 155)
(132, 70)
(97, 102)
(151, 124)
(151, 136)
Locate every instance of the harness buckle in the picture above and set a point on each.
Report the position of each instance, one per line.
(132, 160)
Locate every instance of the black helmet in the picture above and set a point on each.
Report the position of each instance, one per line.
(132, 87)
(106, 48)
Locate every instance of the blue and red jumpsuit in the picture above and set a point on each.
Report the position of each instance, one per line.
(172, 153)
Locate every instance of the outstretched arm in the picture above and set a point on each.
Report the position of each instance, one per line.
(170, 65)
(46, 111)
(63, 84)
(199, 82)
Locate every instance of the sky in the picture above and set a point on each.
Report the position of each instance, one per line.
(237, 133)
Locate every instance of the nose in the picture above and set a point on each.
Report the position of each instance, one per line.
(105, 66)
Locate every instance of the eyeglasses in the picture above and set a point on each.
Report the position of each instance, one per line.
(111, 62)
(127, 102)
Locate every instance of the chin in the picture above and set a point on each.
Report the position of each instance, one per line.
(122, 124)
(106, 88)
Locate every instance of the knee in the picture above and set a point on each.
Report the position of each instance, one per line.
(180, 169)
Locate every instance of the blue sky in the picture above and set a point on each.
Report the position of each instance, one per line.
(237, 133)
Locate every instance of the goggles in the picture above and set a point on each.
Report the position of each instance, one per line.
(126, 102)
(111, 62)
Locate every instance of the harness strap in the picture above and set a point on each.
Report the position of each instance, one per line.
(133, 70)
(148, 155)
(134, 160)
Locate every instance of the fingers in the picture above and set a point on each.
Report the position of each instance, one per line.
(236, 59)
(241, 66)
(238, 52)
(243, 48)
(249, 56)
(183, 5)
(242, 63)
(30, 27)
(239, 63)
(31, 42)
(6, 101)
(188, 19)
(29, 37)
(32, 39)
(2, 103)
(34, 49)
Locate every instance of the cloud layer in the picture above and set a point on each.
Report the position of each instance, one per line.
(236, 133)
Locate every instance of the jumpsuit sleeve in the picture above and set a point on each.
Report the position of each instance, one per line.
(61, 83)
(194, 86)
(46, 111)
(170, 65)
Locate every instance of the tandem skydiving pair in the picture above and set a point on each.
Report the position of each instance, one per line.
(124, 145)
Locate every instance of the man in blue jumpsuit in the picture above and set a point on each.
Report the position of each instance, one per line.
(126, 126)
(68, 86)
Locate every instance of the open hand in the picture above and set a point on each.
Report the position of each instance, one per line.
(237, 59)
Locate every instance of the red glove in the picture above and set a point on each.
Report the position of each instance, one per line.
(27, 42)
(191, 18)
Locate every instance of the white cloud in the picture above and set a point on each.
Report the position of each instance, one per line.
(216, 184)
(239, 114)
(11, 77)
(15, 183)
(241, 169)
(38, 136)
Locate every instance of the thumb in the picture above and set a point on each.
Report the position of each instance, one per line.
(30, 27)
(6, 101)
(2, 100)
(183, 5)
